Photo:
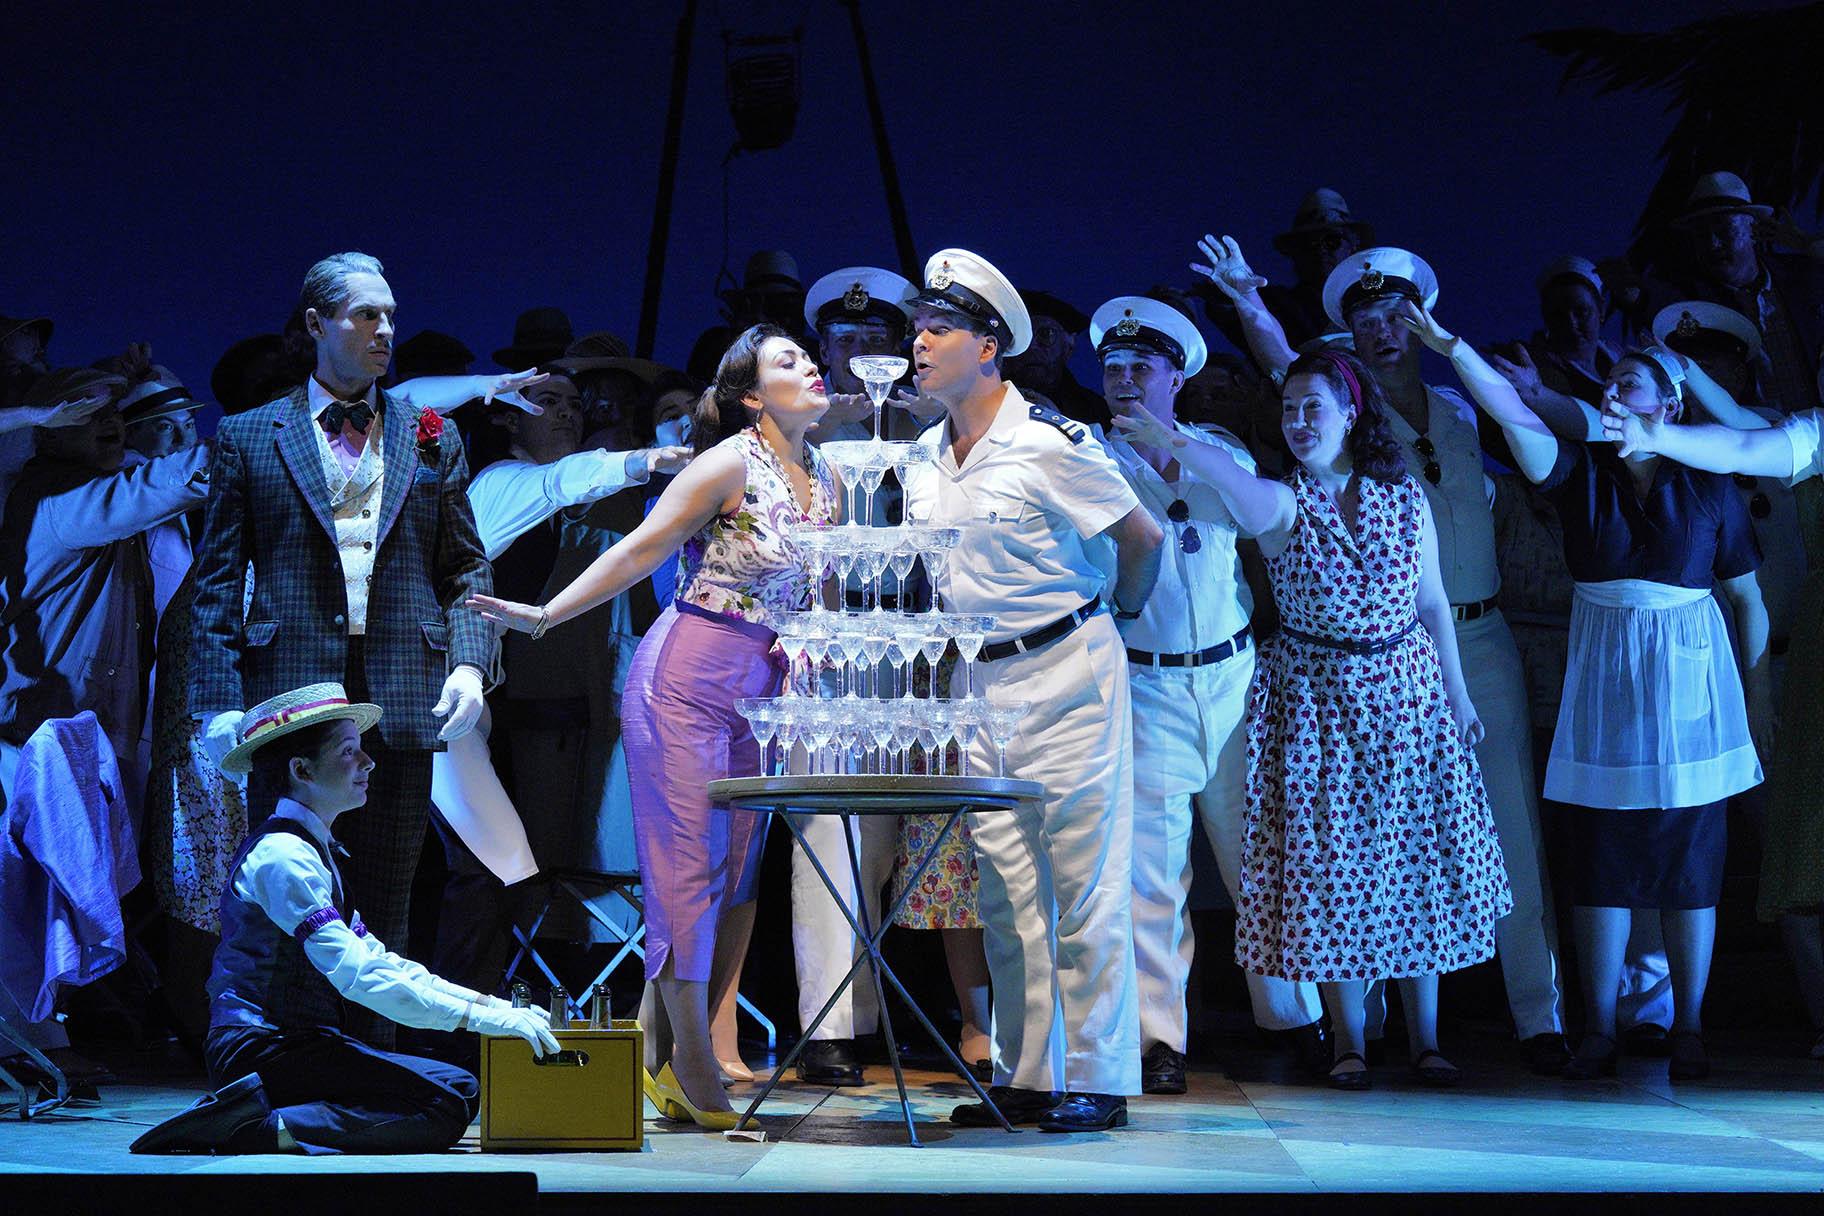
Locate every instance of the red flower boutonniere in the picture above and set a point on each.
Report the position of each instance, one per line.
(430, 437)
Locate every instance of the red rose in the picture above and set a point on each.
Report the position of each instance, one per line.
(430, 428)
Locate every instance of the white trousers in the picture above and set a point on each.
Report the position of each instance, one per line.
(1056, 878)
(1526, 939)
(1191, 750)
(822, 942)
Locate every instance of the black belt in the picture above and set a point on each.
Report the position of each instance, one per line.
(1062, 627)
(1370, 647)
(889, 601)
(1202, 658)
(1476, 611)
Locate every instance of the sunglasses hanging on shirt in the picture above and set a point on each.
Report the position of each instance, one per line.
(1422, 445)
(1180, 513)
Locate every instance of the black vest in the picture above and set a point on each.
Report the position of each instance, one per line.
(261, 977)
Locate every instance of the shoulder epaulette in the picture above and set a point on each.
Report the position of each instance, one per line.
(1071, 429)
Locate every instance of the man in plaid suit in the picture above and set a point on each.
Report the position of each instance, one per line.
(355, 516)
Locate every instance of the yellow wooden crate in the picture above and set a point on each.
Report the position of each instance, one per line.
(589, 1098)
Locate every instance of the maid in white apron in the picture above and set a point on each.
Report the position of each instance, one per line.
(1653, 731)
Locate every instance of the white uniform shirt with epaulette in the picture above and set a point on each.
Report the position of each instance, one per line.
(1201, 598)
(1042, 489)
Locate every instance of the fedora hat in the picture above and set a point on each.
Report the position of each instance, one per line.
(293, 711)
(1323, 210)
(539, 335)
(252, 372)
(12, 325)
(431, 353)
(769, 272)
(159, 395)
(1720, 192)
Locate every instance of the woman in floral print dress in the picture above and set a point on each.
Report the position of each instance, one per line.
(1369, 850)
(731, 511)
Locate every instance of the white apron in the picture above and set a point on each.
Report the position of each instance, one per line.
(1652, 714)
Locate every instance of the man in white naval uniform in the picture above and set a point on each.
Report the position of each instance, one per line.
(859, 310)
(1047, 520)
(1190, 659)
(1437, 428)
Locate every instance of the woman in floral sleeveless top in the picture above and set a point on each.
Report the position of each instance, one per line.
(730, 512)
(1369, 849)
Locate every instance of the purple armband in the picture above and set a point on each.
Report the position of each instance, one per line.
(316, 920)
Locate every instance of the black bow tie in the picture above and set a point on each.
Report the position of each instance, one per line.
(359, 413)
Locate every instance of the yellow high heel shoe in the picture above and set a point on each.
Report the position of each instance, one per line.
(673, 1093)
(667, 1108)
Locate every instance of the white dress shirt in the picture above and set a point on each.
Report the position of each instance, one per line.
(1033, 501)
(1201, 598)
(1802, 431)
(288, 881)
(511, 497)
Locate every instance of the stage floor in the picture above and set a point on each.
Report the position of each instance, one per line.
(1756, 1125)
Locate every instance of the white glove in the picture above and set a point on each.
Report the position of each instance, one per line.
(461, 700)
(532, 1025)
(220, 733)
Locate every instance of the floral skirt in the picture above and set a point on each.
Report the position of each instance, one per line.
(945, 895)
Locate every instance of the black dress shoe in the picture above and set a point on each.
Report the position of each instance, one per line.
(1595, 1058)
(1018, 1105)
(1162, 1070)
(1085, 1113)
(830, 1062)
(230, 1120)
(1647, 1039)
(1546, 1054)
(1311, 1048)
(982, 1070)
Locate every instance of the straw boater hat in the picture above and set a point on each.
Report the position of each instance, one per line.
(292, 711)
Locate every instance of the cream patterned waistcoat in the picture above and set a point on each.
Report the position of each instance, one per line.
(354, 502)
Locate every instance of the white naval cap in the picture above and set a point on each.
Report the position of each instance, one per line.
(1378, 272)
(1689, 318)
(1147, 325)
(966, 283)
(857, 294)
(1570, 266)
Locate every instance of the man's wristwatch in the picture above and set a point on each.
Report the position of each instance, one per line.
(1122, 614)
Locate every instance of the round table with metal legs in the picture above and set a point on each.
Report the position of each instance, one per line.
(847, 797)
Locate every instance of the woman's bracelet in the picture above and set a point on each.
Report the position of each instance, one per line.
(544, 623)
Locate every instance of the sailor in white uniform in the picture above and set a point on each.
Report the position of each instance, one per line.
(1050, 528)
(1190, 659)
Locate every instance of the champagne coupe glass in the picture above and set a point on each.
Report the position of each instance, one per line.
(868, 562)
(936, 641)
(880, 729)
(813, 542)
(937, 557)
(905, 730)
(754, 709)
(877, 374)
(942, 715)
(791, 729)
(971, 632)
(852, 636)
(849, 456)
(970, 718)
(905, 455)
(874, 648)
(925, 723)
(900, 558)
(872, 474)
(908, 636)
(1003, 723)
(766, 729)
(845, 549)
(820, 727)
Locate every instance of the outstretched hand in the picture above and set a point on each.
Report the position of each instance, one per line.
(1518, 369)
(512, 382)
(1227, 268)
(1144, 429)
(1632, 434)
(926, 409)
(71, 412)
(508, 614)
(1420, 321)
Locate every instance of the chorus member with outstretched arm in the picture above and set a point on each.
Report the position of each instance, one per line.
(730, 512)
(1435, 426)
(1364, 800)
(1656, 728)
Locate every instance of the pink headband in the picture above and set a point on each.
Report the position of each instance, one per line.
(1355, 386)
